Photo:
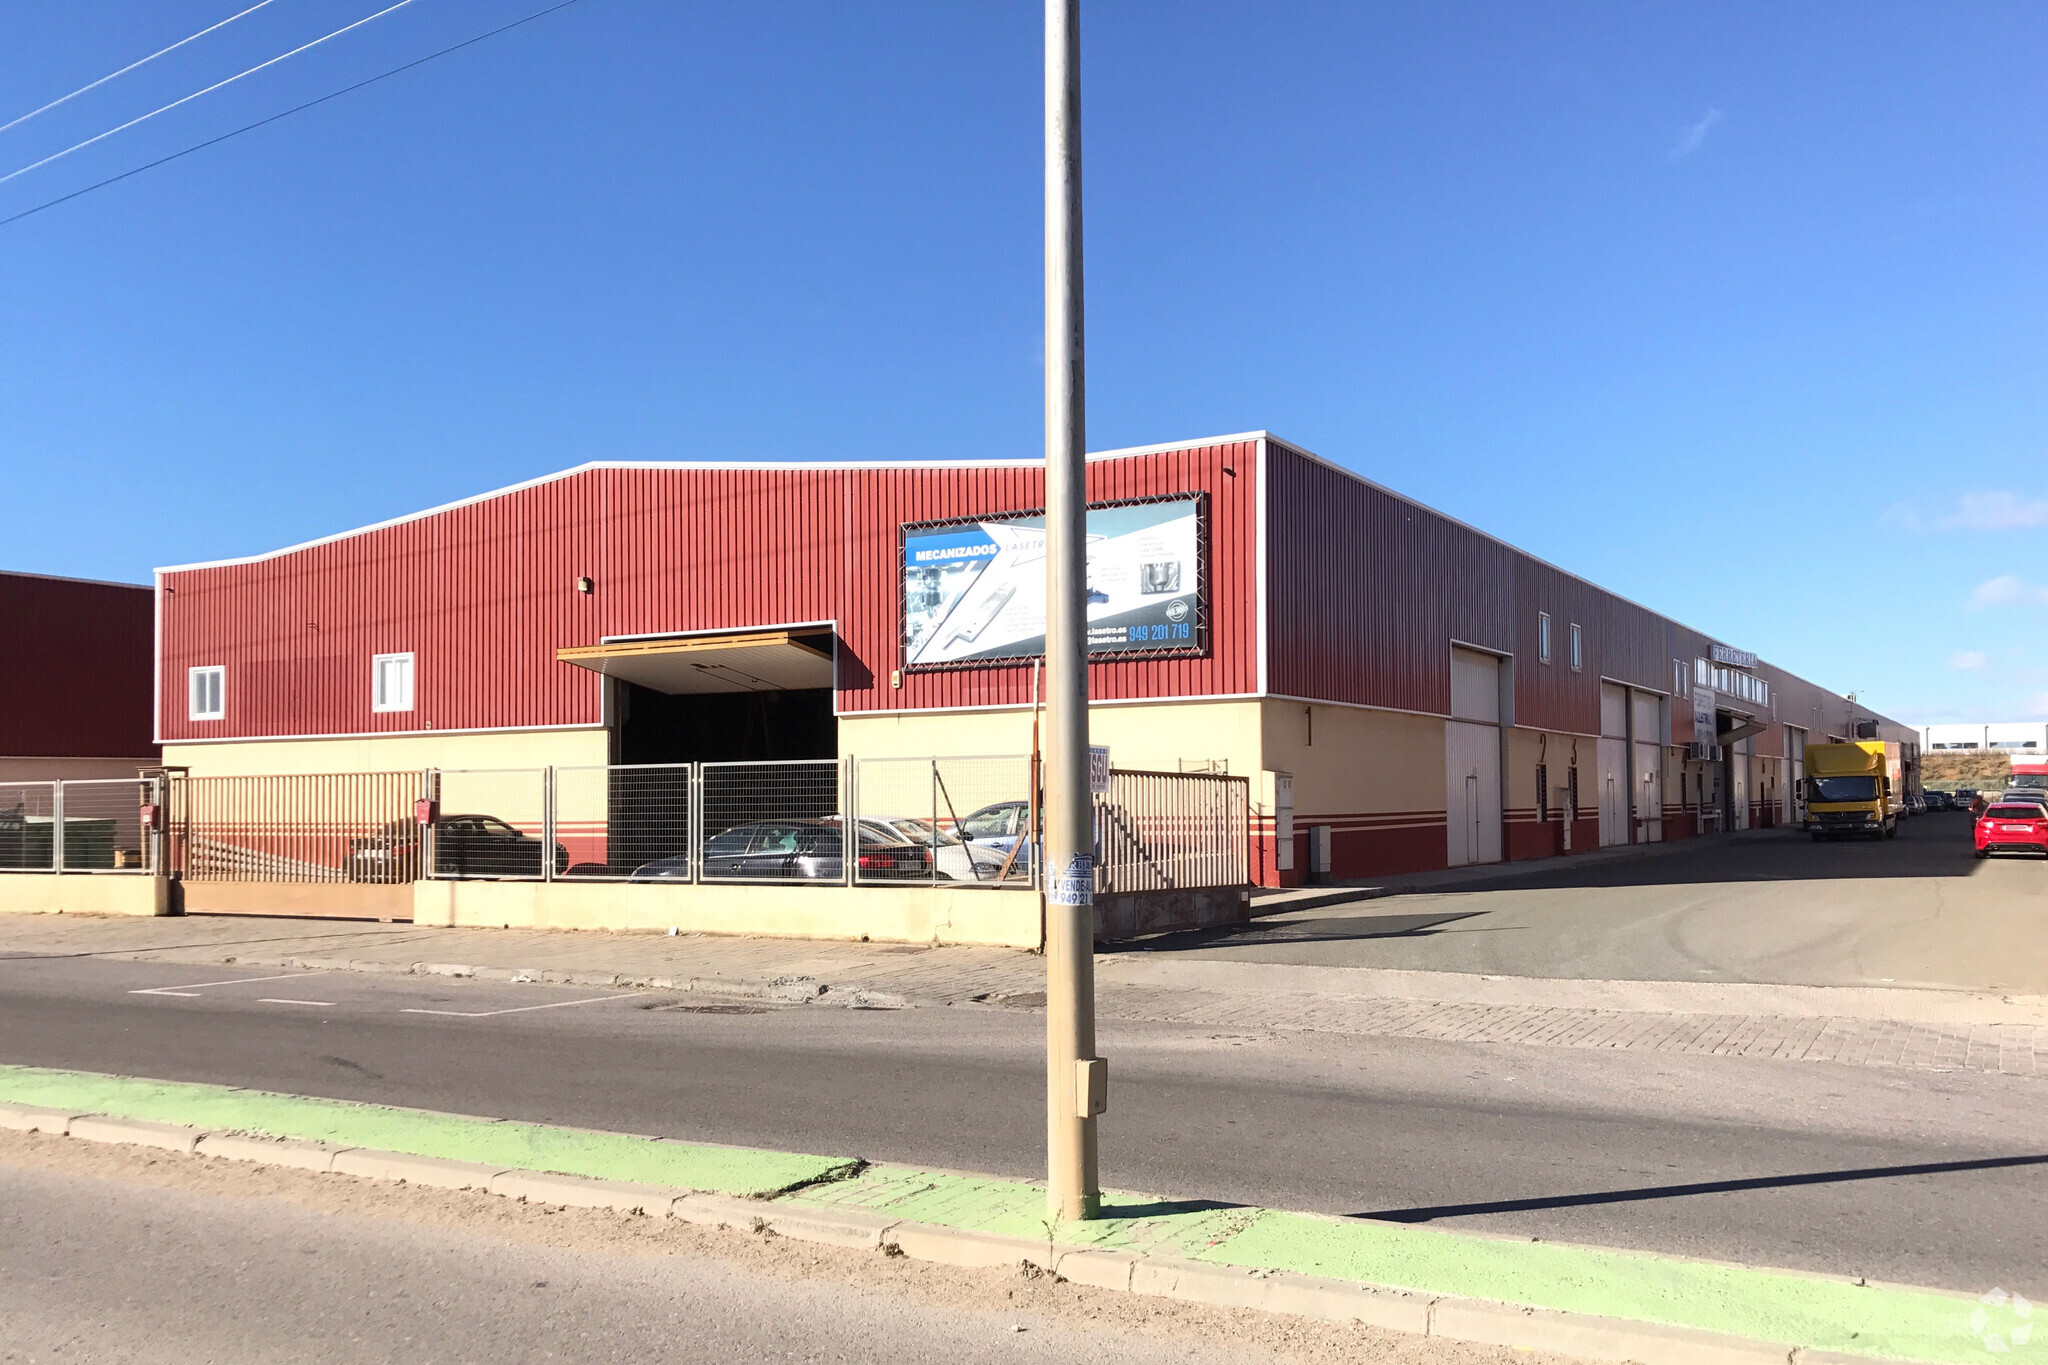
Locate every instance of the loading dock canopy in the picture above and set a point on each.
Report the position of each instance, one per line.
(743, 661)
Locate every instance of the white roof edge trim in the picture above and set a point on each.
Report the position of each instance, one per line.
(722, 465)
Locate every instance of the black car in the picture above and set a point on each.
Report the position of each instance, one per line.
(793, 851)
(464, 846)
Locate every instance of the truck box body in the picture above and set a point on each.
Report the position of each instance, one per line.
(1854, 788)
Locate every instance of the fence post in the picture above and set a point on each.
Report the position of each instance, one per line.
(429, 854)
(693, 824)
(547, 823)
(849, 838)
(57, 827)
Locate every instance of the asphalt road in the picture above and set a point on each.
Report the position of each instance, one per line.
(106, 1269)
(1918, 910)
(1923, 1177)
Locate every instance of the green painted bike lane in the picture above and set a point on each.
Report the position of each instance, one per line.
(1814, 1311)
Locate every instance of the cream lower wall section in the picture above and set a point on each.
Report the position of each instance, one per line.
(884, 914)
(1348, 761)
(31, 893)
(70, 769)
(394, 753)
(1155, 737)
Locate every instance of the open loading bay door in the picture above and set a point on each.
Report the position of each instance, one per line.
(729, 697)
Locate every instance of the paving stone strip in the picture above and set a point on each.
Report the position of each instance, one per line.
(1588, 1301)
(893, 975)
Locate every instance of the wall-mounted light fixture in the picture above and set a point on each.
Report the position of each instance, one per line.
(583, 583)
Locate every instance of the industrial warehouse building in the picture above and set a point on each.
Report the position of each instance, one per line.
(1402, 692)
(75, 696)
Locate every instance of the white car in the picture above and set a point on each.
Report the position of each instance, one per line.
(954, 858)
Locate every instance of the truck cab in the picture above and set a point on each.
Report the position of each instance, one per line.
(1853, 789)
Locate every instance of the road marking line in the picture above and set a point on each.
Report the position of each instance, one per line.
(324, 1004)
(195, 987)
(559, 1004)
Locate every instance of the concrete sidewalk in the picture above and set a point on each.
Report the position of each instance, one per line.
(1858, 1026)
(1581, 1300)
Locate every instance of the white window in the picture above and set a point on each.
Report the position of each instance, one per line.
(391, 682)
(1677, 678)
(1577, 659)
(1543, 637)
(208, 692)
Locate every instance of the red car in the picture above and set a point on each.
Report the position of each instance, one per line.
(2012, 827)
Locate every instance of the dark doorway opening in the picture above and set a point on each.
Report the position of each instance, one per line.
(724, 727)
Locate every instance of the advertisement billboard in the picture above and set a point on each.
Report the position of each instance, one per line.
(974, 591)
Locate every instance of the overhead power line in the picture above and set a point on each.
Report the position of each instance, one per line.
(131, 66)
(207, 91)
(295, 109)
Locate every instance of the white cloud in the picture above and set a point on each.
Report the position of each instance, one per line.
(1998, 511)
(2006, 590)
(1694, 134)
(1969, 658)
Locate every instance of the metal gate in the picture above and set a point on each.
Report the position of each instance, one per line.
(344, 845)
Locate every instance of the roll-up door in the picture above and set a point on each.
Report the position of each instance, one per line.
(1612, 779)
(1472, 760)
(1646, 714)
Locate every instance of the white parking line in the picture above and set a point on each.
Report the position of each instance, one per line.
(324, 1004)
(559, 1004)
(195, 987)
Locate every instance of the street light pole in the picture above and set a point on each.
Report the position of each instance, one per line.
(1076, 1080)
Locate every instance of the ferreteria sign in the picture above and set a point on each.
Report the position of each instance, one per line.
(1734, 658)
(974, 591)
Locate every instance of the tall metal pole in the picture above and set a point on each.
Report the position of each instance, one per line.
(1075, 1079)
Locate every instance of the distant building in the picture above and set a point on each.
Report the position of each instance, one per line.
(2015, 737)
(77, 687)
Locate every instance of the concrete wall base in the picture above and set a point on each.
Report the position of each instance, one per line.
(910, 914)
(1131, 913)
(40, 893)
(327, 900)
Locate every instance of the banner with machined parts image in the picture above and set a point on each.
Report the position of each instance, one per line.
(975, 591)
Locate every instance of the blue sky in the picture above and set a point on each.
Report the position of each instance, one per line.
(1740, 310)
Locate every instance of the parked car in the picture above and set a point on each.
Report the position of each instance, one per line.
(956, 859)
(998, 826)
(2029, 796)
(2013, 827)
(1937, 800)
(464, 846)
(1916, 803)
(794, 850)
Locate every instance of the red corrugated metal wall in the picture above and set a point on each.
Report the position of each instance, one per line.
(1368, 591)
(78, 680)
(483, 594)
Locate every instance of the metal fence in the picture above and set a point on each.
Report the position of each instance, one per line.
(771, 822)
(493, 823)
(304, 827)
(969, 820)
(1172, 831)
(925, 821)
(86, 825)
(613, 822)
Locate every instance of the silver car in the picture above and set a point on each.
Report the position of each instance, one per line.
(953, 857)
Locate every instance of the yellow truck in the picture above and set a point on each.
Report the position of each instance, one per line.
(1854, 789)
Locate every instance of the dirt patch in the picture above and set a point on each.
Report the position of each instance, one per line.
(1275, 1335)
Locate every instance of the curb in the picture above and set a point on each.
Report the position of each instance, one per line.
(1451, 1317)
(789, 990)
